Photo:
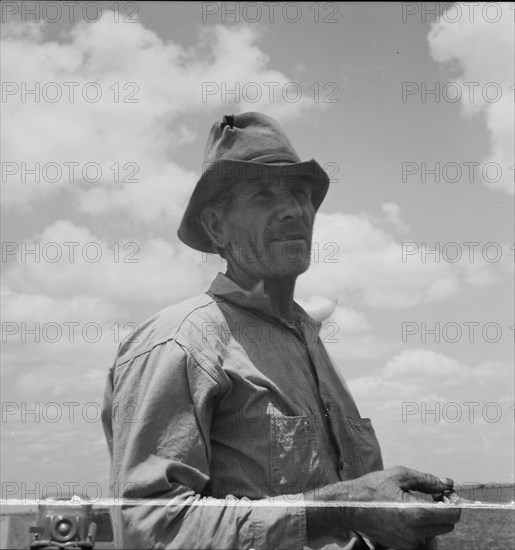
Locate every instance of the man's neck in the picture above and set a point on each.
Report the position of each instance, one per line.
(279, 289)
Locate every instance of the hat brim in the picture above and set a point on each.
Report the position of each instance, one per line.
(221, 175)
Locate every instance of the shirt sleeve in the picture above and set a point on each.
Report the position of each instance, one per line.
(157, 424)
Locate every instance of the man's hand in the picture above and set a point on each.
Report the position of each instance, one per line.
(402, 528)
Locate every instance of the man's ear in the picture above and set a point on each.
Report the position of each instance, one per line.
(211, 219)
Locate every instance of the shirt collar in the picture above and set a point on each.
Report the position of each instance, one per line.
(256, 299)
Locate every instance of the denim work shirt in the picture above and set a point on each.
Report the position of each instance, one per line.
(218, 416)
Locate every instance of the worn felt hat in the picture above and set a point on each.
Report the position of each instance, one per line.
(250, 147)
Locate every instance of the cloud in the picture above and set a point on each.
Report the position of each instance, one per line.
(482, 52)
(420, 375)
(429, 410)
(354, 257)
(124, 273)
(345, 332)
(20, 306)
(129, 104)
(392, 212)
(412, 365)
(102, 280)
(63, 320)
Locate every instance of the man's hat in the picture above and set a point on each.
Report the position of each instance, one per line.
(250, 147)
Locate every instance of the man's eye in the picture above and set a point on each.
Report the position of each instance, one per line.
(260, 194)
(301, 191)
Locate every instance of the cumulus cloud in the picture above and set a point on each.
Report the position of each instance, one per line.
(345, 332)
(64, 318)
(348, 335)
(353, 256)
(101, 281)
(392, 213)
(480, 47)
(430, 409)
(127, 103)
(124, 273)
(413, 365)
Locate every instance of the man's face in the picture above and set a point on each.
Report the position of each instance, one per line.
(268, 227)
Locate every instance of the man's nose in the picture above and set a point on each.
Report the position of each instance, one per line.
(288, 207)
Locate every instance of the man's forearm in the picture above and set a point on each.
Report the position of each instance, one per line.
(184, 519)
(324, 516)
(397, 526)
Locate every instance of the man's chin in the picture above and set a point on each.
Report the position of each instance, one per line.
(289, 269)
(294, 257)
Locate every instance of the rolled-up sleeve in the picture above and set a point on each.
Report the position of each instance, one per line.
(157, 420)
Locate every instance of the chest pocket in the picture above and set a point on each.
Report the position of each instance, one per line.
(367, 453)
(294, 454)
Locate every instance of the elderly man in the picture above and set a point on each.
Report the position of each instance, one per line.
(242, 434)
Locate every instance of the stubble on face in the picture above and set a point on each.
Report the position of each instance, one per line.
(269, 230)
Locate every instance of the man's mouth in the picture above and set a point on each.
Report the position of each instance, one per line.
(290, 237)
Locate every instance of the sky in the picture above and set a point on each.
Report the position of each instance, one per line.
(105, 116)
